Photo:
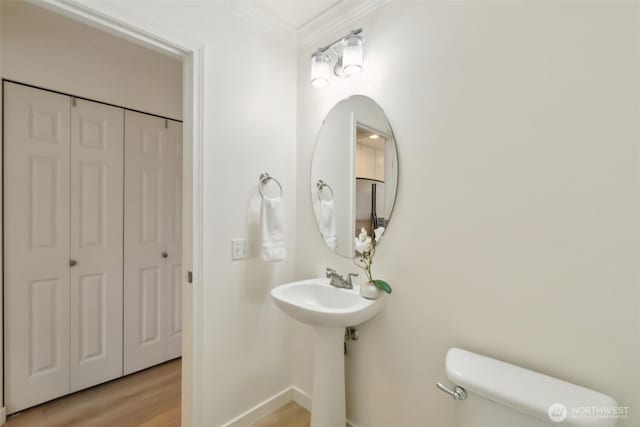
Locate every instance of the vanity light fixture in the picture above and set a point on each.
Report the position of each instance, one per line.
(352, 54)
(320, 69)
(348, 54)
(374, 136)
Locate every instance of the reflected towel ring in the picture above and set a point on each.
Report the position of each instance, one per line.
(321, 184)
(264, 178)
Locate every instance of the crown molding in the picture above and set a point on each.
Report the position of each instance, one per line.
(317, 29)
(254, 14)
(334, 20)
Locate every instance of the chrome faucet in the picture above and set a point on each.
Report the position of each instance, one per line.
(338, 281)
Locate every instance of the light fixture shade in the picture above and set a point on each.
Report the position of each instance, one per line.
(352, 55)
(320, 69)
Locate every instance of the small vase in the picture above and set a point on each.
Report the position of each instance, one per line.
(369, 290)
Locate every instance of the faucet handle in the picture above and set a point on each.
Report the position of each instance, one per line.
(350, 275)
(329, 272)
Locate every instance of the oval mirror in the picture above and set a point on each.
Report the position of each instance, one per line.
(354, 172)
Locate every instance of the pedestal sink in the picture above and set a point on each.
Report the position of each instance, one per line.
(329, 310)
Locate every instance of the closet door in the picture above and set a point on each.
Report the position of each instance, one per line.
(36, 257)
(174, 241)
(146, 240)
(97, 143)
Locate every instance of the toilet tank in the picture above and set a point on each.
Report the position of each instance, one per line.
(503, 395)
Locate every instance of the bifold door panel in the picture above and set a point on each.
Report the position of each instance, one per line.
(97, 136)
(36, 206)
(146, 182)
(152, 266)
(92, 260)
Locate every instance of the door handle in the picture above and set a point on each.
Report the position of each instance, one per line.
(165, 255)
(73, 263)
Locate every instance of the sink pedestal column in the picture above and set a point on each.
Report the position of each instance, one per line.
(328, 407)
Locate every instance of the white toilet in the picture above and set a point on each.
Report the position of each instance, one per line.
(491, 393)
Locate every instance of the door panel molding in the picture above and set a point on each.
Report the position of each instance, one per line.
(153, 245)
(36, 233)
(97, 156)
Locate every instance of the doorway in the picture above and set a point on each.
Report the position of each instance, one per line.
(188, 57)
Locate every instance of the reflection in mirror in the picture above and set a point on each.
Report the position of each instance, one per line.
(354, 172)
(370, 154)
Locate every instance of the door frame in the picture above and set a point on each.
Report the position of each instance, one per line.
(113, 19)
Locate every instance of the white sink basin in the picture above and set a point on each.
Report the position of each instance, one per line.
(329, 310)
(317, 303)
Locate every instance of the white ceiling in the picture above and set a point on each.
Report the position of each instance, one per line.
(297, 13)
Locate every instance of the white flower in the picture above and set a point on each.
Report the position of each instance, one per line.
(378, 233)
(363, 242)
(363, 233)
(363, 246)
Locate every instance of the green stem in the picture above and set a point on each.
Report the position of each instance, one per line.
(368, 262)
(365, 266)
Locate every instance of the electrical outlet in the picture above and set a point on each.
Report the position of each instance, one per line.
(239, 249)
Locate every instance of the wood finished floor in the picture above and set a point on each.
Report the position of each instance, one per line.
(290, 415)
(149, 398)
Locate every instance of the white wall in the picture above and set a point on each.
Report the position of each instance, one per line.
(515, 232)
(250, 122)
(45, 49)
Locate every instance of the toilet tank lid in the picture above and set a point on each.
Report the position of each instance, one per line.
(524, 390)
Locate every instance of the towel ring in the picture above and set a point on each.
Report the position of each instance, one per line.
(321, 184)
(264, 178)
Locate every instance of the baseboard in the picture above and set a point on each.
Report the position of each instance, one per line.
(291, 394)
(301, 398)
(261, 409)
(3, 415)
(304, 400)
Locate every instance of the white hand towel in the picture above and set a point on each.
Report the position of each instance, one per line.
(274, 247)
(328, 222)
